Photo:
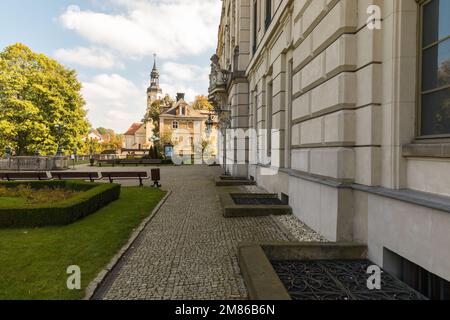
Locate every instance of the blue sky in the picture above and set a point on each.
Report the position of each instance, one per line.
(111, 44)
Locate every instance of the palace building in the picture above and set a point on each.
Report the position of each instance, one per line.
(350, 103)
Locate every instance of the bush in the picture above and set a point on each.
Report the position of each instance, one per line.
(93, 197)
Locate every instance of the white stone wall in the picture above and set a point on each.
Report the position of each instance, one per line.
(341, 116)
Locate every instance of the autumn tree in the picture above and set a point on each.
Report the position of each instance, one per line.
(112, 140)
(202, 103)
(40, 103)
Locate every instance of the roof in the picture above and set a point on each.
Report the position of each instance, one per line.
(182, 103)
(132, 130)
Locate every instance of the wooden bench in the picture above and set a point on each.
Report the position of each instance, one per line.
(125, 162)
(112, 162)
(111, 176)
(92, 176)
(151, 161)
(13, 176)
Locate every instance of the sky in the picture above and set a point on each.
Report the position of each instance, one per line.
(111, 45)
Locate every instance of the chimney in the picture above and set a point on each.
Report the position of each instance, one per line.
(180, 96)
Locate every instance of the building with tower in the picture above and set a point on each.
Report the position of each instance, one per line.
(154, 92)
(179, 123)
(138, 138)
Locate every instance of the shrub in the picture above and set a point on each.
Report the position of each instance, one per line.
(91, 198)
(41, 195)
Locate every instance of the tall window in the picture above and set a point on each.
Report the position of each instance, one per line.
(268, 13)
(269, 118)
(255, 24)
(435, 68)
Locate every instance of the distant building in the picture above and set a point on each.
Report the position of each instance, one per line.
(187, 127)
(191, 123)
(135, 137)
(94, 135)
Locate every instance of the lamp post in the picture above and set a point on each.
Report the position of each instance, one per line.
(91, 157)
(74, 157)
(8, 151)
(58, 128)
(209, 124)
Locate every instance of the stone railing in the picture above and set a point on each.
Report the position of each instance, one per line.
(34, 163)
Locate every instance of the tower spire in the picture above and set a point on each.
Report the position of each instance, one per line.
(154, 92)
(154, 61)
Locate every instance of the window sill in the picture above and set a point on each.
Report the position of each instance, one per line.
(426, 150)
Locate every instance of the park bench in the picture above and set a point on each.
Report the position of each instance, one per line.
(125, 162)
(92, 176)
(151, 161)
(13, 176)
(112, 162)
(111, 176)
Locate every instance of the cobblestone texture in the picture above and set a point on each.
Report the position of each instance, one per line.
(189, 251)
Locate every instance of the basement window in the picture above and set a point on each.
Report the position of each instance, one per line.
(430, 285)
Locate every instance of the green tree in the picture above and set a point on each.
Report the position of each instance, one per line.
(36, 95)
(91, 146)
(153, 113)
(202, 103)
(168, 101)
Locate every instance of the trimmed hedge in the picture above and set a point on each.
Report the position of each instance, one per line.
(93, 197)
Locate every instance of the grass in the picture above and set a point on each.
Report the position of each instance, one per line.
(24, 194)
(79, 162)
(34, 261)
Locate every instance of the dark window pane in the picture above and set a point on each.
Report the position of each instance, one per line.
(429, 68)
(436, 66)
(444, 63)
(430, 22)
(436, 21)
(444, 19)
(436, 113)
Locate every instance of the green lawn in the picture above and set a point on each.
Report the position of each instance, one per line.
(78, 162)
(33, 262)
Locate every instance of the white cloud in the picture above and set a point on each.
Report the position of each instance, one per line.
(171, 28)
(187, 78)
(173, 89)
(113, 101)
(185, 72)
(88, 57)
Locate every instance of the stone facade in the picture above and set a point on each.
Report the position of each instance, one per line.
(186, 128)
(136, 137)
(338, 96)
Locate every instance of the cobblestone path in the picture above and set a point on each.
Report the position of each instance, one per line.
(189, 251)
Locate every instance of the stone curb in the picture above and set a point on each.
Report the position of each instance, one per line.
(98, 281)
(260, 278)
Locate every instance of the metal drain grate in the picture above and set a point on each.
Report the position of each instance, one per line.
(257, 201)
(339, 280)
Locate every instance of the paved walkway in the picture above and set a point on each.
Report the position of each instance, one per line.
(189, 251)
